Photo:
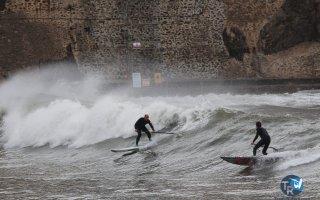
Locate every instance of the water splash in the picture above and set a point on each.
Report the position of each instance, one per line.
(56, 108)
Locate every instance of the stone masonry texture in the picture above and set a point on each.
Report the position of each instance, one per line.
(181, 39)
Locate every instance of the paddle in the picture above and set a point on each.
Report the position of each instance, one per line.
(275, 149)
(162, 132)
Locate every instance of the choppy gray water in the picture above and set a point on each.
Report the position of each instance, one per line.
(55, 145)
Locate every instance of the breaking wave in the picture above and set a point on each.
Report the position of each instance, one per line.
(60, 109)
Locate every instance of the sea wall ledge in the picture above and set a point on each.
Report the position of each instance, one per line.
(198, 87)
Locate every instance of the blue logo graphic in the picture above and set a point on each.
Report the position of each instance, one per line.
(291, 185)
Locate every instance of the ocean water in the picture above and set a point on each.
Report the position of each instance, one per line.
(57, 132)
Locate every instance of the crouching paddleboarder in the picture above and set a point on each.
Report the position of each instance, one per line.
(140, 126)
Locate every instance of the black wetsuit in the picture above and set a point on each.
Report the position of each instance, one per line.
(140, 125)
(265, 140)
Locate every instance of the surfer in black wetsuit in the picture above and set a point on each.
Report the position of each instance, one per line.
(140, 125)
(265, 139)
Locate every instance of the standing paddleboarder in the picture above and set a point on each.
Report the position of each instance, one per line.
(265, 139)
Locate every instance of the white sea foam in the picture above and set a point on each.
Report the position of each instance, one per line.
(56, 108)
(296, 158)
(63, 111)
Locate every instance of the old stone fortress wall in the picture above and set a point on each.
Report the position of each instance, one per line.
(181, 39)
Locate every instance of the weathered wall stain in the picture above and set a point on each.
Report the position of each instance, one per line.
(2, 4)
(235, 42)
(294, 24)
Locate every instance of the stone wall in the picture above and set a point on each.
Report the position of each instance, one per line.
(182, 39)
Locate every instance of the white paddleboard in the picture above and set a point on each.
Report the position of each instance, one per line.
(136, 148)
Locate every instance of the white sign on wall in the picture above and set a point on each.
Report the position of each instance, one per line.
(136, 45)
(136, 80)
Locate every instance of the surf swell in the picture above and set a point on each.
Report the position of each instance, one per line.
(56, 115)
